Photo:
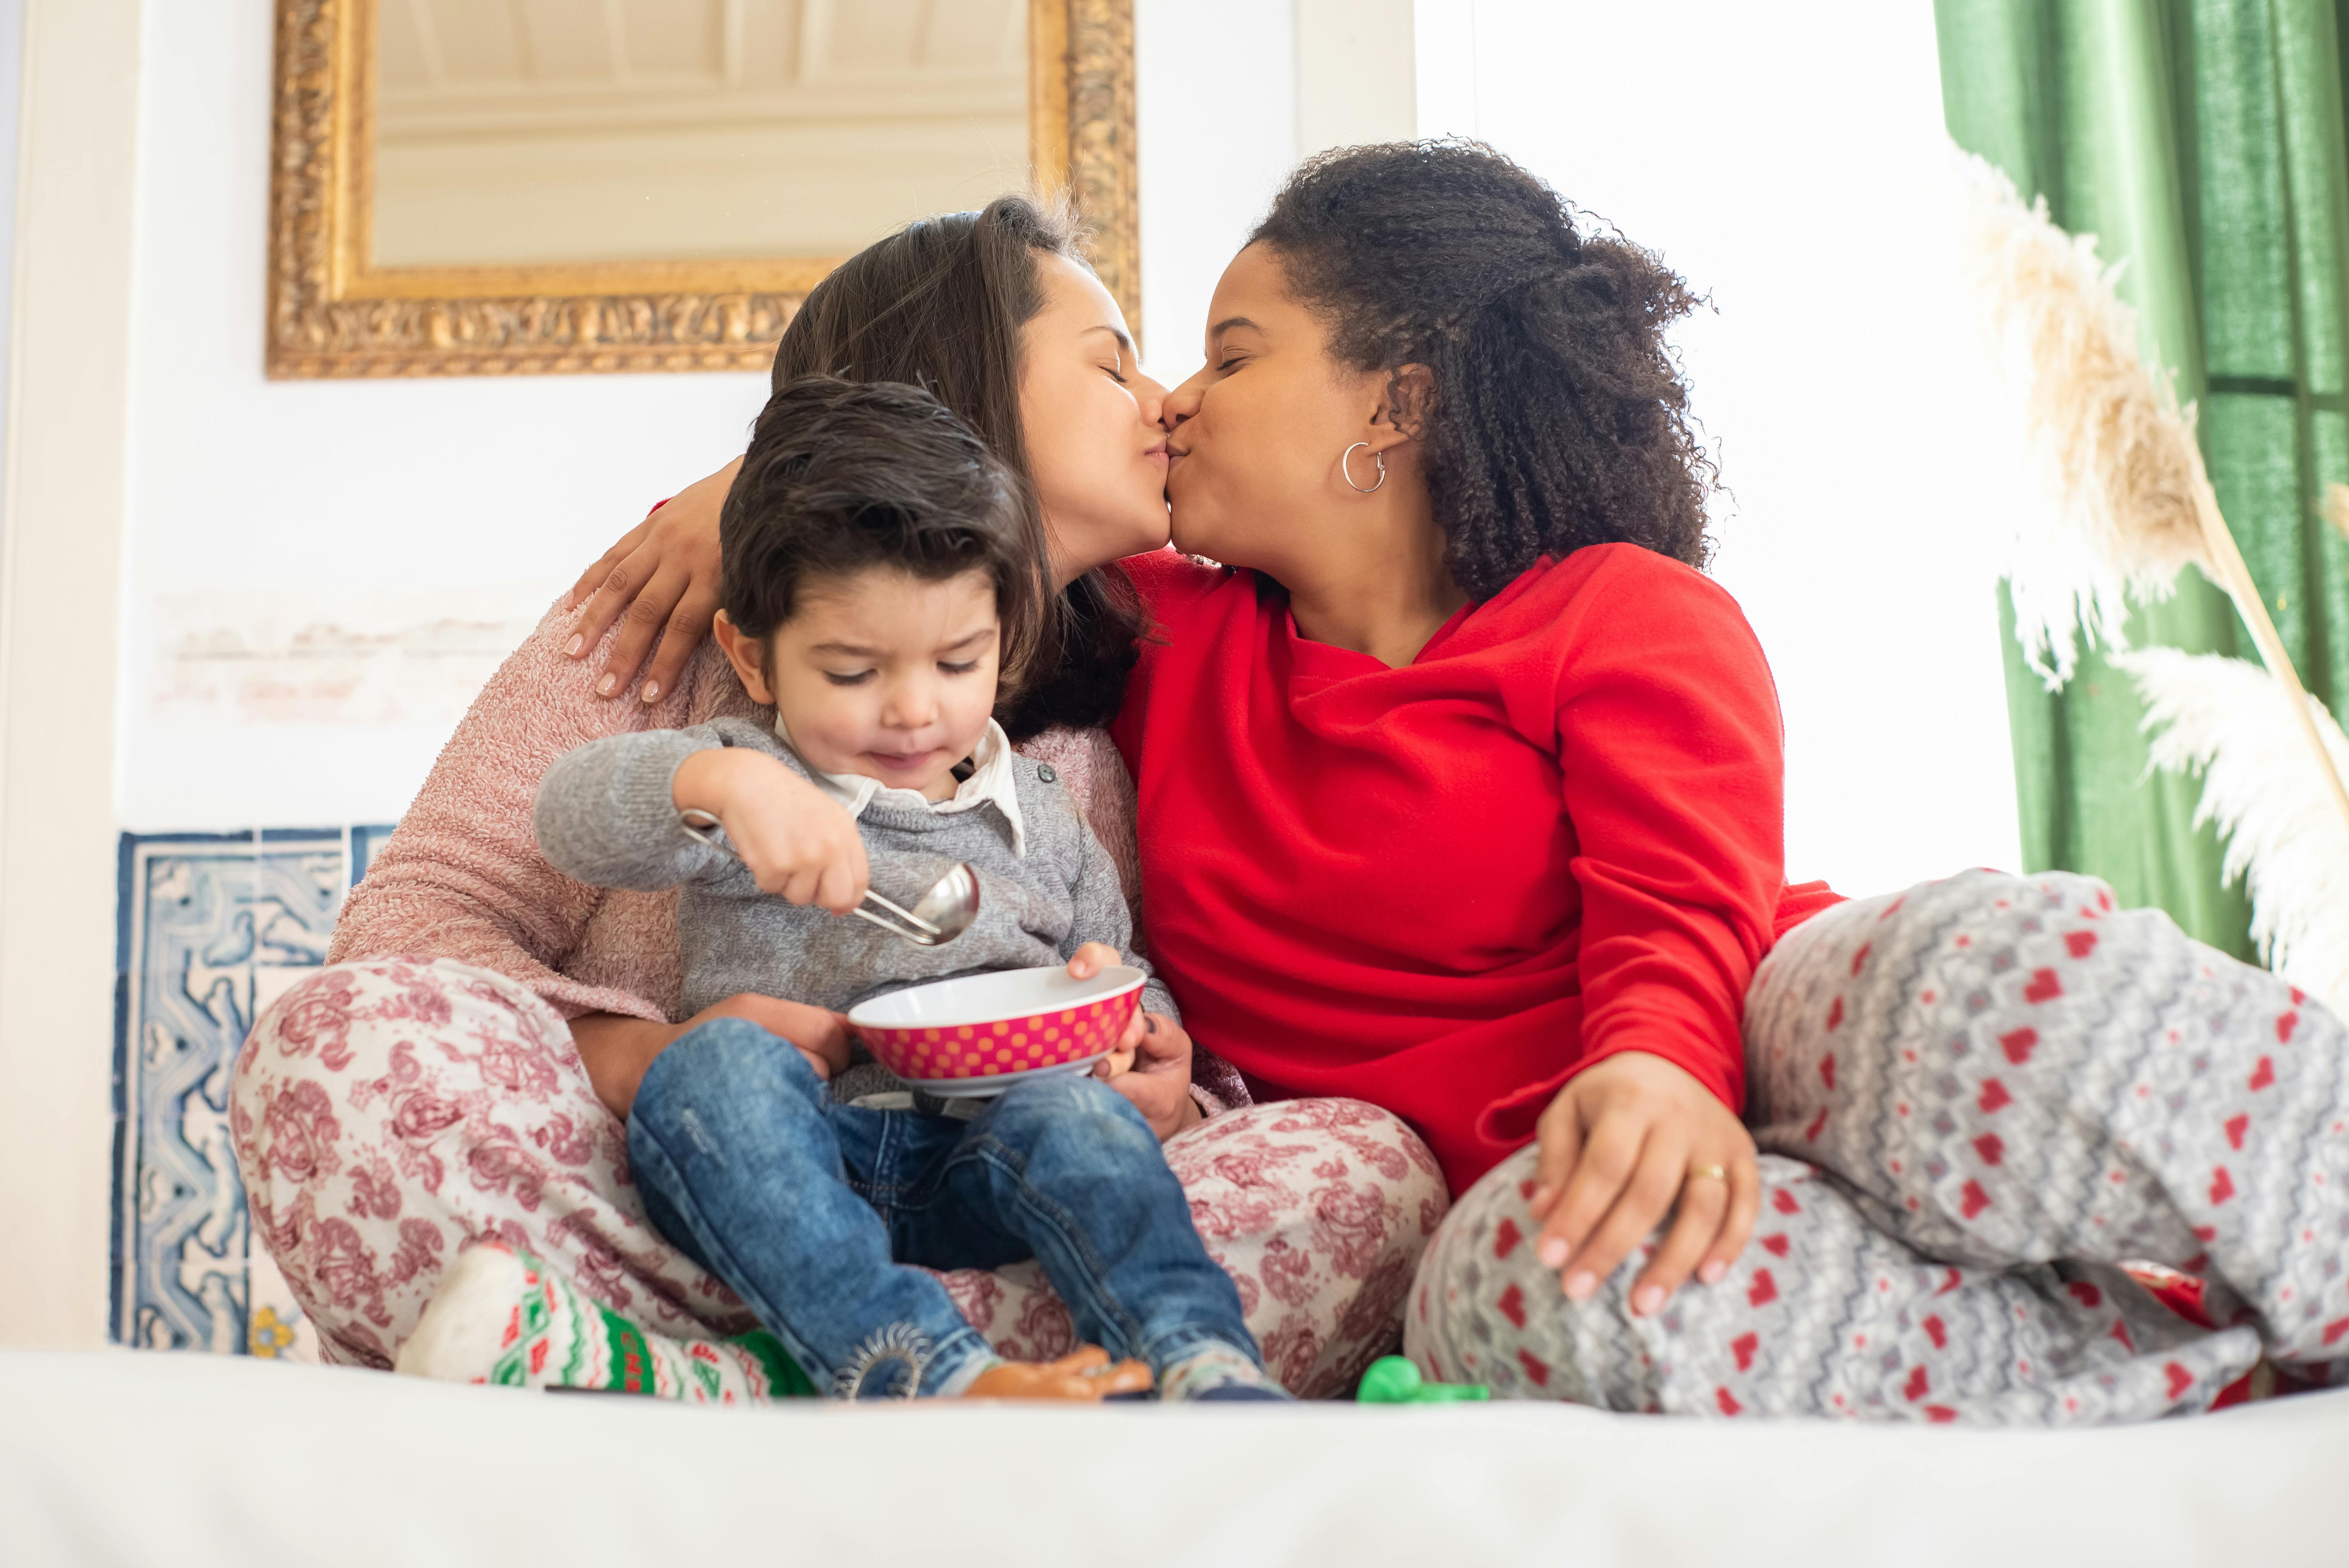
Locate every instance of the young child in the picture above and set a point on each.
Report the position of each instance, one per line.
(876, 562)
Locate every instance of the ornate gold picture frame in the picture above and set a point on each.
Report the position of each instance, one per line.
(332, 313)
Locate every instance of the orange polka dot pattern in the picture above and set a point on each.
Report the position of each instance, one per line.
(1006, 1046)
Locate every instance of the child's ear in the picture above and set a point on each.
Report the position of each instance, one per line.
(747, 655)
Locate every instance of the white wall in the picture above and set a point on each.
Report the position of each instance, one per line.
(61, 544)
(318, 572)
(1780, 158)
(1215, 123)
(380, 508)
(1231, 94)
(1355, 76)
(377, 514)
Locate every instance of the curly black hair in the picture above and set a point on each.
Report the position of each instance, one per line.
(1558, 417)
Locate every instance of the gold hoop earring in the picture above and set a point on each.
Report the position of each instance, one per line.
(1346, 457)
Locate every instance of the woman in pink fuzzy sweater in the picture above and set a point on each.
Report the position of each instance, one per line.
(460, 1071)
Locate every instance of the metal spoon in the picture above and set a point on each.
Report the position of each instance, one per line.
(937, 916)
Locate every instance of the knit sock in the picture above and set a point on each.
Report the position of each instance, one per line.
(1217, 1371)
(501, 1317)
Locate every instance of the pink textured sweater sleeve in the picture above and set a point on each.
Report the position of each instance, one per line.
(463, 878)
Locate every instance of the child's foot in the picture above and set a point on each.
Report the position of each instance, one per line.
(1086, 1376)
(501, 1317)
(1216, 1373)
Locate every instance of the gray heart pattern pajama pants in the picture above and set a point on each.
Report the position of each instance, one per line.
(1975, 1101)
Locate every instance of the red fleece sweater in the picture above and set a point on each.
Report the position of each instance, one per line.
(1445, 888)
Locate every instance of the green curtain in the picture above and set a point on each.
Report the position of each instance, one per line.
(2202, 141)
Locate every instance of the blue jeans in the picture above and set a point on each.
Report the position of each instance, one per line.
(810, 1210)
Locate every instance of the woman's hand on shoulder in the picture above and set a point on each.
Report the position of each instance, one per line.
(660, 583)
(1624, 1142)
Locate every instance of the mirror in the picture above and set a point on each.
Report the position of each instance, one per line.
(571, 130)
(501, 186)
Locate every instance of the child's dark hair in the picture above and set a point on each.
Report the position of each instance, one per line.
(844, 476)
(941, 304)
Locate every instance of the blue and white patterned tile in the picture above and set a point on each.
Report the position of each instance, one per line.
(213, 928)
(364, 843)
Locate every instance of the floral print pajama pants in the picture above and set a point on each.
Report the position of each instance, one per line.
(385, 1113)
(1976, 1103)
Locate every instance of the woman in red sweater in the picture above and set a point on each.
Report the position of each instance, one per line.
(1460, 793)
(1464, 796)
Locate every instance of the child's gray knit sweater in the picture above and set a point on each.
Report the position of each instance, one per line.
(605, 815)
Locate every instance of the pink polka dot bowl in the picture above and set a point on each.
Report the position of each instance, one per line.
(978, 1033)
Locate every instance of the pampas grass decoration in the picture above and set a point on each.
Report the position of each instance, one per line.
(2219, 716)
(2120, 452)
(2134, 502)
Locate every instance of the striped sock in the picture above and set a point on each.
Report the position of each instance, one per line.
(501, 1317)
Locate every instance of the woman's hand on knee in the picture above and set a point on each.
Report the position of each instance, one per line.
(1625, 1143)
(615, 1050)
(660, 581)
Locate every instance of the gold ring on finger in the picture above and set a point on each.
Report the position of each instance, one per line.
(1708, 1172)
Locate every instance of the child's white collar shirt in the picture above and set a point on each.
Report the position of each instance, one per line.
(991, 782)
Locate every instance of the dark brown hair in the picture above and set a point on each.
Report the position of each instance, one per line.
(1559, 418)
(940, 304)
(843, 476)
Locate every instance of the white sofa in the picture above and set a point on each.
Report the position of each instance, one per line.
(128, 1457)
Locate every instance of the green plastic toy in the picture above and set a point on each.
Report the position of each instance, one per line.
(1393, 1380)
